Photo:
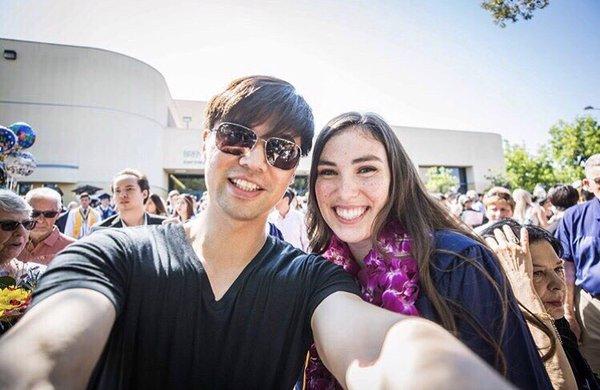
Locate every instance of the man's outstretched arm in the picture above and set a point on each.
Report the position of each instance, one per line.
(365, 346)
(58, 342)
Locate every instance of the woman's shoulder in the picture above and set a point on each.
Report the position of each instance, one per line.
(452, 248)
(452, 240)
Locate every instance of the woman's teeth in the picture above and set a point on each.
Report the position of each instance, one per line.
(350, 213)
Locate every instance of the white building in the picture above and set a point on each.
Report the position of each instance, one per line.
(97, 112)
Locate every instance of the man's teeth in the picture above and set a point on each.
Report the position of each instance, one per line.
(245, 185)
(350, 213)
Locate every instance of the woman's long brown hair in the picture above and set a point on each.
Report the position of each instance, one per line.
(421, 215)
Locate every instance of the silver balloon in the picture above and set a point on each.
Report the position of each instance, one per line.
(19, 164)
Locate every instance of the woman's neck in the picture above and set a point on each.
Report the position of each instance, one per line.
(360, 250)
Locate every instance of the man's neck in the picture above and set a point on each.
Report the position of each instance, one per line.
(132, 217)
(37, 240)
(212, 235)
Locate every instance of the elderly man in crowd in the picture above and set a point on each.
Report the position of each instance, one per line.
(82, 218)
(131, 190)
(45, 240)
(579, 233)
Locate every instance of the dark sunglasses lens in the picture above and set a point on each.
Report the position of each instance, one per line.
(29, 224)
(282, 154)
(35, 214)
(234, 139)
(9, 226)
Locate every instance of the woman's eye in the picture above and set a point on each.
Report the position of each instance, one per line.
(366, 169)
(559, 270)
(326, 172)
(538, 274)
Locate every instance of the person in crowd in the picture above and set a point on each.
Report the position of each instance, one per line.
(579, 234)
(184, 209)
(561, 197)
(104, 208)
(130, 189)
(171, 202)
(370, 213)
(81, 219)
(476, 204)
(290, 221)
(193, 305)
(536, 273)
(469, 216)
(61, 222)
(499, 205)
(45, 240)
(156, 205)
(527, 211)
(15, 225)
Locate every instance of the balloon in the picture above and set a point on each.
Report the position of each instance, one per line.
(2, 175)
(25, 134)
(8, 140)
(20, 164)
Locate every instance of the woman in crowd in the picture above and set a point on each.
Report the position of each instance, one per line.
(537, 277)
(561, 197)
(527, 211)
(15, 224)
(369, 212)
(184, 208)
(155, 205)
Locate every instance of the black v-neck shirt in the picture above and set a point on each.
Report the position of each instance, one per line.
(170, 332)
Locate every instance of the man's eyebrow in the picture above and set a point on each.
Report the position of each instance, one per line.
(326, 162)
(368, 157)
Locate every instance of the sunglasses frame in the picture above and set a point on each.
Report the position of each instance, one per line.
(43, 213)
(4, 225)
(256, 139)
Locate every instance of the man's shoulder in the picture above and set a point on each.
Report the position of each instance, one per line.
(110, 222)
(582, 208)
(154, 219)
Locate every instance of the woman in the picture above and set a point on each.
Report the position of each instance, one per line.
(527, 211)
(184, 209)
(369, 212)
(155, 205)
(15, 224)
(561, 197)
(537, 276)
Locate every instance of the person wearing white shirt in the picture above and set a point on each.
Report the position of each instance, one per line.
(290, 221)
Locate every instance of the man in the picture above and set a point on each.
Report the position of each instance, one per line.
(45, 240)
(579, 233)
(105, 209)
(131, 190)
(217, 303)
(81, 219)
(290, 222)
(499, 205)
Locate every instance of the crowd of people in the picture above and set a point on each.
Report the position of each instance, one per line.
(371, 283)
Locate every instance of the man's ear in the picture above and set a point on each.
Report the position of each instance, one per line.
(146, 195)
(585, 183)
(204, 137)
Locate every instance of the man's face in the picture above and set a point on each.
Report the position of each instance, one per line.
(128, 194)
(85, 202)
(105, 202)
(498, 211)
(44, 225)
(244, 187)
(592, 180)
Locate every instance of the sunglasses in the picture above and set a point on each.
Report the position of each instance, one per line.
(46, 214)
(11, 226)
(239, 140)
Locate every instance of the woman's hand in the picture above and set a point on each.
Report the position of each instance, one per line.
(513, 253)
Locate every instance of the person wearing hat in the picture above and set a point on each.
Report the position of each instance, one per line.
(104, 209)
(131, 191)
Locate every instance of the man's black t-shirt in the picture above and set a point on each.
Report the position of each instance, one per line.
(171, 333)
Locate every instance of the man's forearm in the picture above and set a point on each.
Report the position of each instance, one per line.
(416, 345)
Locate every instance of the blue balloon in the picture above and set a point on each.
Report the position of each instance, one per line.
(25, 134)
(8, 140)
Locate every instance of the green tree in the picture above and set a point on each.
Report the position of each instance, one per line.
(571, 144)
(440, 179)
(505, 10)
(496, 179)
(524, 170)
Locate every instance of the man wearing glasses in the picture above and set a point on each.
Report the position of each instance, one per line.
(45, 240)
(218, 303)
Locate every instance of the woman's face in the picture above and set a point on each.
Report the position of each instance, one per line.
(12, 242)
(548, 277)
(181, 208)
(150, 206)
(353, 180)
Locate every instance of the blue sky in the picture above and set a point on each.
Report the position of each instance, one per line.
(440, 64)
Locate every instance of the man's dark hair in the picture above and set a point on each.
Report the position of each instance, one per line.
(142, 180)
(563, 197)
(256, 100)
(535, 233)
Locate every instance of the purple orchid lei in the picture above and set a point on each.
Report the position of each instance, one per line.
(391, 282)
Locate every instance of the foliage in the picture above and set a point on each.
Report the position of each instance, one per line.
(497, 179)
(571, 144)
(505, 10)
(524, 170)
(440, 179)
